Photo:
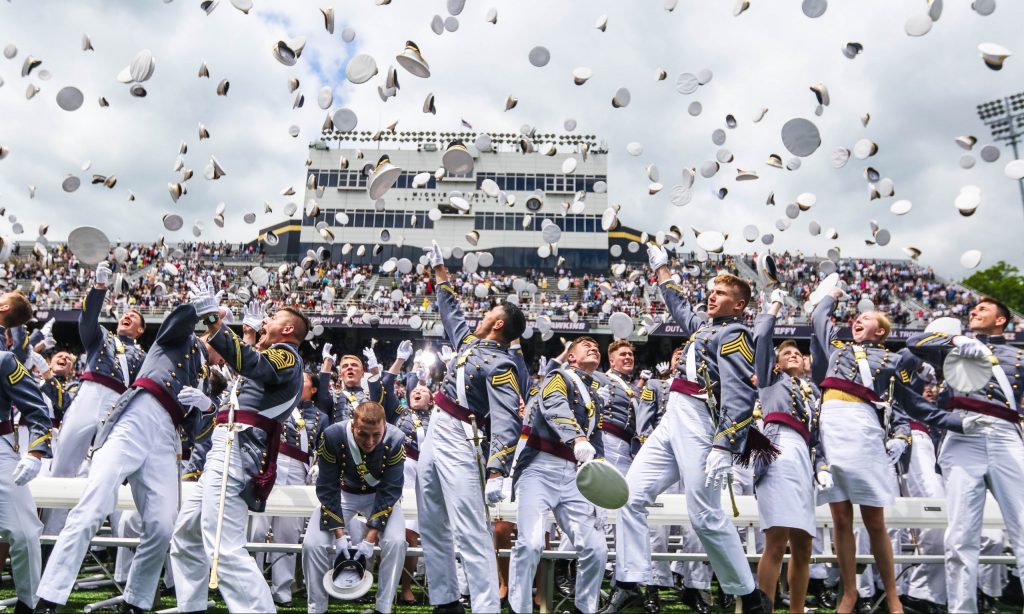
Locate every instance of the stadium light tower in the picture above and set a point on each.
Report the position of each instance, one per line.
(1005, 119)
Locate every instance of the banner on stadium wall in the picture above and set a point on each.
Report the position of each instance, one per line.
(783, 331)
(337, 320)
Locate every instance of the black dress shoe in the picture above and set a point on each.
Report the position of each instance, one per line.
(1013, 594)
(623, 600)
(914, 605)
(694, 599)
(820, 595)
(126, 608)
(652, 601)
(46, 607)
(22, 608)
(724, 601)
(987, 605)
(565, 586)
(863, 606)
(454, 607)
(757, 602)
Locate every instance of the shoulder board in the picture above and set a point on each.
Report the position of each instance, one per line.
(738, 344)
(555, 384)
(931, 337)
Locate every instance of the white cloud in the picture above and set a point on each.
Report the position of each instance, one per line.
(921, 94)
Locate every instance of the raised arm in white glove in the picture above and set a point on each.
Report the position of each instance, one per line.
(253, 315)
(404, 350)
(371, 359)
(103, 273)
(434, 255)
(194, 397)
(202, 297)
(657, 256)
(446, 353)
(47, 330)
(646, 374)
(662, 367)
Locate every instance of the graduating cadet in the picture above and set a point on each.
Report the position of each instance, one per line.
(564, 430)
(269, 387)
(785, 488)
(864, 432)
(620, 408)
(469, 448)
(112, 361)
(413, 424)
(138, 441)
(704, 428)
(19, 525)
(987, 454)
(350, 372)
(361, 466)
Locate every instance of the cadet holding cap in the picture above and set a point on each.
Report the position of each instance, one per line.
(112, 363)
(986, 452)
(564, 430)
(705, 426)
(269, 386)
(18, 522)
(469, 448)
(137, 442)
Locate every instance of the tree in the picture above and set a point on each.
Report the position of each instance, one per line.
(1001, 281)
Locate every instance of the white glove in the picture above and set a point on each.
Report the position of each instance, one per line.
(328, 353)
(894, 449)
(365, 550)
(26, 470)
(718, 469)
(341, 545)
(37, 362)
(974, 423)
(371, 359)
(927, 372)
(662, 367)
(405, 350)
(194, 397)
(252, 315)
(103, 273)
(657, 256)
(646, 374)
(446, 353)
(778, 296)
(543, 365)
(314, 473)
(605, 393)
(584, 451)
(969, 347)
(202, 298)
(825, 480)
(434, 255)
(47, 329)
(492, 491)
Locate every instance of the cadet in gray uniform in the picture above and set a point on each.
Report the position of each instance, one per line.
(138, 441)
(59, 385)
(785, 488)
(19, 525)
(986, 453)
(112, 360)
(478, 401)
(361, 472)
(269, 386)
(864, 432)
(706, 425)
(350, 372)
(620, 400)
(564, 430)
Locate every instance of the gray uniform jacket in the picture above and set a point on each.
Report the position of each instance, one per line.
(269, 387)
(18, 387)
(653, 402)
(339, 472)
(60, 392)
(491, 382)
(618, 416)
(174, 361)
(103, 348)
(724, 357)
(792, 401)
(935, 346)
(560, 416)
(349, 398)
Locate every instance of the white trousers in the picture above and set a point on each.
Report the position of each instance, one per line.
(129, 524)
(925, 581)
(617, 452)
(318, 551)
(19, 525)
(409, 473)
(661, 571)
(450, 498)
(142, 447)
(241, 584)
(548, 484)
(282, 530)
(74, 439)
(678, 450)
(992, 459)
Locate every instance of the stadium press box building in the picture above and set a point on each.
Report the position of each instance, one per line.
(400, 224)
